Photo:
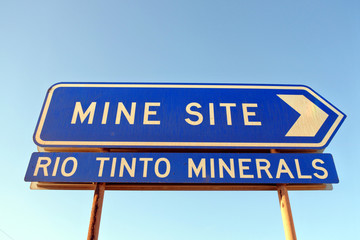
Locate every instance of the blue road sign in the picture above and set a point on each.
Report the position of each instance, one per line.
(127, 115)
(184, 168)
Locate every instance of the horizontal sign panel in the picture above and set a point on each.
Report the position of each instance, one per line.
(185, 116)
(182, 168)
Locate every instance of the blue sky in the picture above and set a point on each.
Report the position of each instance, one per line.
(314, 43)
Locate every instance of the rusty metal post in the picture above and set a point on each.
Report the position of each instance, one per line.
(95, 217)
(288, 222)
(286, 214)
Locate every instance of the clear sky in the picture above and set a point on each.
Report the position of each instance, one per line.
(314, 43)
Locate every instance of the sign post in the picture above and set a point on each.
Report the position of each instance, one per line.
(96, 210)
(285, 208)
(286, 214)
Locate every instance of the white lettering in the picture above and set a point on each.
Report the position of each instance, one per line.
(102, 161)
(264, 168)
(125, 164)
(105, 113)
(228, 111)
(189, 111)
(63, 166)
(211, 114)
(130, 117)
(113, 166)
(157, 167)
(300, 176)
(145, 160)
(212, 168)
(222, 166)
(246, 114)
(44, 166)
(201, 168)
(242, 168)
(325, 175)
(78, 110)
(56, 166)
(147, 112)
(283, 168)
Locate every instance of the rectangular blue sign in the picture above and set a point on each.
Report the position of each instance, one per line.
(182, 168)
(120, 115)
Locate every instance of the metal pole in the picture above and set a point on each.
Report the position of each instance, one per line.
(96, 212)
(285, 208)
(286, 214)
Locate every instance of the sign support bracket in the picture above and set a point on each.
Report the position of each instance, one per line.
(95, 217)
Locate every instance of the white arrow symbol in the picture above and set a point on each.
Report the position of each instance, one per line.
(311, 116)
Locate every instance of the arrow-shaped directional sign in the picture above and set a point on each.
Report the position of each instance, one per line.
(128, 115)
